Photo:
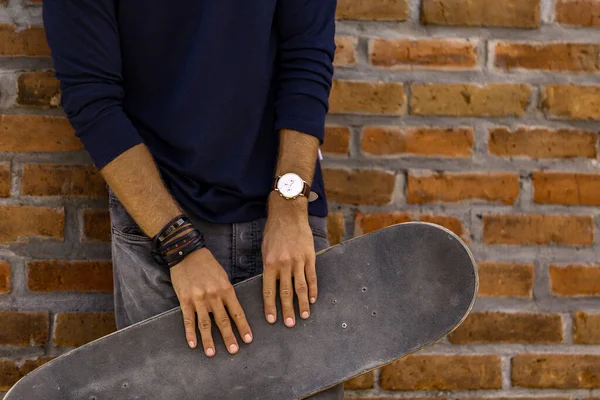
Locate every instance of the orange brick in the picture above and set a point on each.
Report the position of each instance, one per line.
(566, 188)
(4, 179)
(77, 329)
(507, 13)
(383, 10)
(367, 223)
(28, 42)
(560, 371)
(586, 329)
(96, 225)
(575, 280)
(452, 223)
(69, 276)
(11, 372)
(572, 101)
(498, 327)
(335, 228)
(23, 328)
(40, 89)
(578, 12)
(362, 97)
(345, 52)
(500, 279)
(469, 100)
(428, 53)
(558, 57)
(360, 186)
(418, 141)
(570, 230)
(455, 187)
(537, 142)
(37, 133)
(364, 381)
(337, 140)
(5, 277)
(435, 372)
(18, 223)
(63, 180)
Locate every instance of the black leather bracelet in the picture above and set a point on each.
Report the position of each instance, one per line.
(180, 241)
(168, 229)
(175, 258)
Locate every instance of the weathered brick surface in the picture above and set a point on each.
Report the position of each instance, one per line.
(455, 187)
(345, 52)
(418, 141)
(365, 381)
(542, 143)
(5, 277)
(571, 57)
(337, 140)
(96, 225)
(497, 327)
(586, 328)
(578, 12)
(4, 179)
(423, 53)
(19, 223)
(37, 133)
(38, 89)
(77, 329)
(29, 42)
(433, 372)
(366, 223)
(566, 188)
(63, 180)
(11, 371)
(362, 97)
(502, 279)
(69, 276)
(383, 10)
(559, 371)
(575, 280)
(572, 101)
(569, 230)
(469, 100)
(359, 186)
(23, 328)
(509, 13)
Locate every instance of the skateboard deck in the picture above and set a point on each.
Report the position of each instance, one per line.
(381, 296)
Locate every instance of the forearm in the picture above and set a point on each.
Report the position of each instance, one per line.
(135, 180)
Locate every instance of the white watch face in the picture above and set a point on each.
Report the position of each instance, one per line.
(290, 185)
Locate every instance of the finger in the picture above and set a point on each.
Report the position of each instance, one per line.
(311, 278)
(301, 291)
(269, 294)
(287, 297)
(239, 317)
(224, 323)
(204, 324)
(189, 319)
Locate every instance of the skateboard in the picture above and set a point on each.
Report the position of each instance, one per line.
(382, 296)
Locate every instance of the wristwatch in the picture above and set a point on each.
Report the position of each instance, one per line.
(290, 186)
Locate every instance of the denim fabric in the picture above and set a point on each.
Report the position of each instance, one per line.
(143, 288)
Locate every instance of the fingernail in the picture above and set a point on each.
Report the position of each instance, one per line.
(210, 352)
(289, 322)
(248, 338)
(312, 300)
(233, 348)
(305, 314)
(192, 345)
(271, 318)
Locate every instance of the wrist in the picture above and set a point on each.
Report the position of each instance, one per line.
(282, 207)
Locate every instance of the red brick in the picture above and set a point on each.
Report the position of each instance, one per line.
(498, 327)
(19, 223)
(11, 372)
(337, 140)
(361, 186)
(469, 100)
(96, 225)
(557, 57)
(63, 180)
(572, 189)
(572, 101)
(456, 187)
(500, 279)
(570, 230)
(586, 328)
(23, 328)
(362, 97)
(29, 133)
(364, 381)
(506, 13)
(541, 142)
(335, 228)
(69, 276)
(77, 329)
(390, 10)
(575, 280)
(28, 42)
(4, 179)
(440, 372)
(5, 277)
(578, 12)
(367, 223)
(345, 52)
(38, 89)
(560, 371)
(430, 53)
(418, 141)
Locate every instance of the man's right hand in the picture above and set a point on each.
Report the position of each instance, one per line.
(202, 286)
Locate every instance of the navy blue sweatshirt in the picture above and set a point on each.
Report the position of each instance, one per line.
(205, 84)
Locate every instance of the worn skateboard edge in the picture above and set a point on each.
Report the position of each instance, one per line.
(177, 309)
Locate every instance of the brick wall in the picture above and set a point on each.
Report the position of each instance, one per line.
(479, 115)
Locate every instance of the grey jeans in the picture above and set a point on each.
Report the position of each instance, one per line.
(142, 288)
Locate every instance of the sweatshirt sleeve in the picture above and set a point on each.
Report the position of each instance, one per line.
(306, 30)
(84, 38)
